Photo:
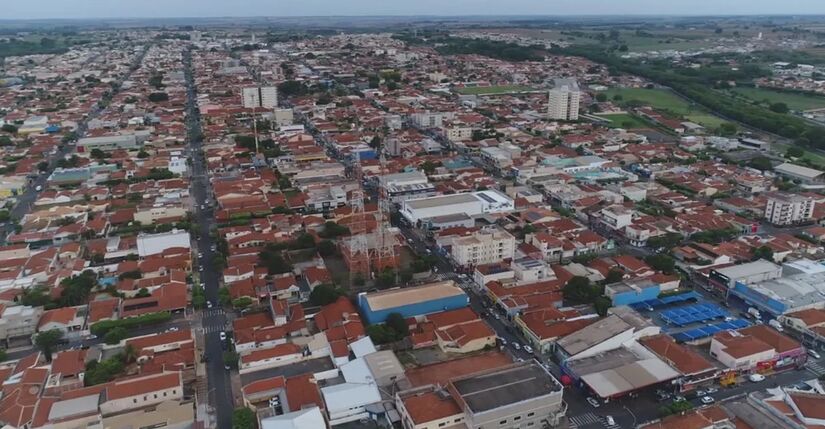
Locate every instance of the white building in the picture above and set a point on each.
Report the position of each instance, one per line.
(153, 244)
(788, 209)
(484, 247)
(261, 96)
(418, 211)
(563, 100)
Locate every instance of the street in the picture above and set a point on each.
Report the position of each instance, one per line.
(213, 320)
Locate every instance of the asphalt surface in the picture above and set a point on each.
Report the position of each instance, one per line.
(213, 320)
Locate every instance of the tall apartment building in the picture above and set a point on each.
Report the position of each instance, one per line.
(788, 209)
(260, 96)
(483, 247)
(563, 100)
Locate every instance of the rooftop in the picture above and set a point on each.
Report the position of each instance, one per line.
(505, 386)
(399, 297)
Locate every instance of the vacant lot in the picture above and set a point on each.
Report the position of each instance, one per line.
(624, 120)
(795, 101)
(667, 101)
(490, 90)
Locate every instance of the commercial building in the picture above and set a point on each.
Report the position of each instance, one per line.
(758, 348)
(260, 97)
(693, 368)
(19, 321)
(805, 175)
(788, 209)
(132, 141)
(486, 246)
(521, 395)
(412, 301)
(632, 291)
(785, 294)
(563, 100)
(153, 244)
(725, 279)
(419, 211)
(406, 186)
(623, 325)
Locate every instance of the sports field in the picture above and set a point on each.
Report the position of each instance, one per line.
(667, 101)
(795, 101)
(625, 120)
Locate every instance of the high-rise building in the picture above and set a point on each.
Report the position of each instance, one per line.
(563, 100)
(263, 96)
(788, 209)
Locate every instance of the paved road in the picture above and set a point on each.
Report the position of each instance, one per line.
(214, 320)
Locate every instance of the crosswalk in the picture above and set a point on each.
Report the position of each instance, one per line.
(816, 367)
(590, 419)
(209, 312)
(216, 328)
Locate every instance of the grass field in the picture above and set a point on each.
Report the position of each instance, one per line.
(664, 100)
(810, 156)
(491, 90)
(624, 120)
(794, 101)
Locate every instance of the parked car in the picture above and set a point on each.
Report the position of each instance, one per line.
(516, 346)
(223, 336)
(710, 390)
(528, 349)
(209, 304)
(38, 188)
(503, 341)
(610, 421)
(593, 402)
(814, 354)
(756, 378)
(700, 393)
(707, 400)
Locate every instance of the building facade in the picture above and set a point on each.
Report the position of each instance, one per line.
(563, 100)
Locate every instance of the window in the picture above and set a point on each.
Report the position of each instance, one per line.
(529, 423)
(134, 400)
(156, 396)
(442, 424)
(503, 422)
(516, 418)
(458, 420)
(531, 414)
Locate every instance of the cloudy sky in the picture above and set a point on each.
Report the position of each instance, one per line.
(40, 9)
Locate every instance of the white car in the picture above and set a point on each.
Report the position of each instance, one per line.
(593, 402)
(200, 268)
(707, 400)
(756, 378)
(38, 188)
(710, 390)
(209, 304)
(223, 336)
(517, 346)
(610, 421)
(814, 354)
(528, 349)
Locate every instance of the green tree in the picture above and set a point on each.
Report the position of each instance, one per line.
(779, 108)
(614, 276)
(224, 296)
(115, 336)
(398, 324)
(3, 355)
(795, 152)
(158, 97)
(242, 303)
(324, 294)
(386, 279)
(333, 230)
(244, 418)
(661, 262)
(763, 252)
(47, 341)
(142, 154)
(761, 163)
(579, 290)
(9, 128)
(601, 97)
(327, 248)
(728, 129)
(143, 293)
(665, 241)
(97, 154)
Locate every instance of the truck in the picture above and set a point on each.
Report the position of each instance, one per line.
(754, 312)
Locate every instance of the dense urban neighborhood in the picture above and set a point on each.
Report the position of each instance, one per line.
(420, 227)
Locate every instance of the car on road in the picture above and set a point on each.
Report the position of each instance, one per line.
(756, 378)
(213, 248)
(711, 390)
(200, 255)
(700, 393)
(38, 188)
(503, 341)
(528, 349)
(593, 402)
(496, 316)
(173, 329)
(707, 400)
(223, 336)
(679, 398)
(516, 346)
(814, 354)
(209, 304)
(610, 421)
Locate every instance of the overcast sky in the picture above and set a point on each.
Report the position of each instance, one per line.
(40, 9)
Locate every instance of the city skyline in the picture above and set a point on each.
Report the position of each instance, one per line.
(95, 9)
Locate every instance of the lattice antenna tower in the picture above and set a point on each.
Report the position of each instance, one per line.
(359, 245)
(385, 246)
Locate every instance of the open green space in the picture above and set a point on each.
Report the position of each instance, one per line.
(813, 157)
(667, 102)
(794, 100)
(625, 120)
(491, 90)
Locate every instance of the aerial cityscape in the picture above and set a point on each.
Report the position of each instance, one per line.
(421, 217)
